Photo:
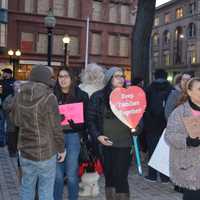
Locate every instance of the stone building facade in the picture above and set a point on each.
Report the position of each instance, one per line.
(175, 42)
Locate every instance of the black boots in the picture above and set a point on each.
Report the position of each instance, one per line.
(110, 193)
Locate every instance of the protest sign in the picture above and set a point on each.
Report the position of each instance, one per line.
(192, 125)
(160, 158)
(72, 111)
(128, 105)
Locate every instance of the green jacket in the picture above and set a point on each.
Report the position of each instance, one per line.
(35, 112)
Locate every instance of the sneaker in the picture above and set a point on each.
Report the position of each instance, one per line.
(149, 179)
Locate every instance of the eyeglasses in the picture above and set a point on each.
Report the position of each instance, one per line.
(119, 76)
(63, 76)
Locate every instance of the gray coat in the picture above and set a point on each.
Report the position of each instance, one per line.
(172, 101)
(7, 106)
(184, 160)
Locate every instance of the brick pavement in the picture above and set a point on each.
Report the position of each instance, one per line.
(140, 189)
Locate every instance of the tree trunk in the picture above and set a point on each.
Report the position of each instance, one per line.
(141, 39)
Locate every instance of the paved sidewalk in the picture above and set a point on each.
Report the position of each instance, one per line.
(140, 189)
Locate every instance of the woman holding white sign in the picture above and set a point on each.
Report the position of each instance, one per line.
(113, 135)
(183, 136)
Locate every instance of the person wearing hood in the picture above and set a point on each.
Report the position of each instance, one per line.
(41, 140)
(92, 80)
(113, 135)
(68, 93)
(154, 117)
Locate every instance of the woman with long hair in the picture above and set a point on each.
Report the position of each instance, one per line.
(114, 137)
(184, 144)
(67, 93)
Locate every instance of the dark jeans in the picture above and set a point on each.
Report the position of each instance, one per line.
(152, 141)
(116, 167)
(191, 194)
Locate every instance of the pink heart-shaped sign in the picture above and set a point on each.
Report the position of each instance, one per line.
(128, 104)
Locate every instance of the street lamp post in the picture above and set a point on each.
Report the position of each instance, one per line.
(14, 59)
(66, 41)
(50, 22)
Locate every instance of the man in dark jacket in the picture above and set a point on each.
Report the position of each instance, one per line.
(6, 89)
(154, 117)
(41, 139)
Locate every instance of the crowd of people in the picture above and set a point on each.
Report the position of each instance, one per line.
(49, 153)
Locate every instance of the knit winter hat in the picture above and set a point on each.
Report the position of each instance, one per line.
(42, 74)
(110, 72)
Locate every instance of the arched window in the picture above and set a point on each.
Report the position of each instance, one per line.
(166, 37)
(156, 40)
(191, 30)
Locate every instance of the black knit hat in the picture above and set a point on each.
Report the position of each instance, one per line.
(7, 70)
(42, 74)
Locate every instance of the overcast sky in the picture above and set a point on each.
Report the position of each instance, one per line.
(159, 2)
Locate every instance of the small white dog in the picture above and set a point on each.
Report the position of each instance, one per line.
(89, 185)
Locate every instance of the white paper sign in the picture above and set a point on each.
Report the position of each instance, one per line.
(160, 158)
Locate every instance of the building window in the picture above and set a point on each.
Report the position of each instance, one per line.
(74, 46)
(179, 13)
(96, 44)
(29, 6)
(124, 46)
(27, 41)
(4, 4)
(59, 7)
(192, 7)
(97, 11)
(166, 37)
(125, 14)
(73, 8)
(191, 30)
(58, 45)
(3, 34)
(166, 58)
(156, 59)
(192, 55)
(155, 40)
(156, 21)
(113, 45)
(42, 43)
(167, 18)
(43, 7)
(113, 13)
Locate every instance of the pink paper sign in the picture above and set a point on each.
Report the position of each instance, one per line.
(72, 111)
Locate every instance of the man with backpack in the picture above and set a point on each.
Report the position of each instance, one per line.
(154, 117)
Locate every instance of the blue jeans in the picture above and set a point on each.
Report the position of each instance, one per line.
(69, 168)
(41, 171)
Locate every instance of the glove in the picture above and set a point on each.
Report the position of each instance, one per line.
(137, 131)
(76, 127)
(62, 117)
(192, 142)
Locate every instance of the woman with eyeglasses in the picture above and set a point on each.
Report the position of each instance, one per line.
(113, 135)
(68, 93)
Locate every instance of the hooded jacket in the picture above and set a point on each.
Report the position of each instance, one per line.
(154, 117)
(35, 112)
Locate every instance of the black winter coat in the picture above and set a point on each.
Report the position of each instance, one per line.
(80, 96)
(154, 117)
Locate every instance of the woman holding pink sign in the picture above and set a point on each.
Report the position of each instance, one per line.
(72, 103)
(113, 135)
(183, 136)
